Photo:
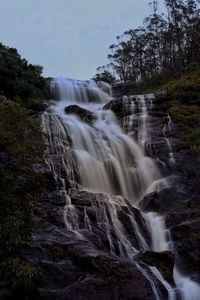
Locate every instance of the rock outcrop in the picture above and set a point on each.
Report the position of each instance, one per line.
(75, 245)
(180, 203)
(84, 114)
(163, 261)
(79, 264)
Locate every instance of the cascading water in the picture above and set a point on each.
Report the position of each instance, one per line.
(138, 107)
(167, 131)
(97, 157)
(108, 160)
(186, 288)
(79, 91)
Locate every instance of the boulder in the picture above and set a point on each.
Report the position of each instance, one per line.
(84, 114)
(164, 201)
(102, 277)
(119, 108)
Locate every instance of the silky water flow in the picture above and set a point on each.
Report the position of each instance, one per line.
(98, 157)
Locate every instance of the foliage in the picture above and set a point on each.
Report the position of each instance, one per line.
(105, 76)
(17, 277)
(181, 100)
(163, 47)
(21, 146)
(19, 80)
(188, 115)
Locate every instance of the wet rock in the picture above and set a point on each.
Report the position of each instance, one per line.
(135, 227)
(121, 108)
(56, 199)
(78, 266)
(4, 160)
(164, 201)
(163, 261)
(50, 181)
(117, 106)
(103, 277)
(186, 238)
(84, 114)
(129, 218)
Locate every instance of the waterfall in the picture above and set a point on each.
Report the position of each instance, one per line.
(186, 287)
(138, 107)
(108, 160)
(167, 132)
(91, 156)
(79, 91)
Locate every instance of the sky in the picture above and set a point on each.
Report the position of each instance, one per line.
(68, 37)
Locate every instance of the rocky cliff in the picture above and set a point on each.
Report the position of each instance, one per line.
(88, 245)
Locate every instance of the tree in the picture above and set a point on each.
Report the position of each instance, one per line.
(18, 79)
(164, 46)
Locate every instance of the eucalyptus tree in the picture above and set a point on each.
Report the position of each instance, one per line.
(163, 46)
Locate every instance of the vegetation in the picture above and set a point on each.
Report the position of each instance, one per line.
(105, 76)
(21, 148)
(181, 99)
(19, 80)
(17, 276)
(164, 47)
(163, 56)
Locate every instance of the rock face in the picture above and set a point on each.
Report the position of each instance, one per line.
(186, 239)
(117, 106)
(81, 240)
(180, 203)
(78, 248)
(84, 114)
(164, 201)
(74, 265)
(164, 261)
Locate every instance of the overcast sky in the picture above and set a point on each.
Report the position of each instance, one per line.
(68, 37)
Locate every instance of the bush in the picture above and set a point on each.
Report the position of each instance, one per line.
(18, 278)
(21, 146)
(18, 78)
(188, 115)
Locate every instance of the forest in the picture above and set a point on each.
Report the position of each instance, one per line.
(166, 46)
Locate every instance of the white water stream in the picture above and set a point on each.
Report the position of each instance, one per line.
(167, 130)
(186, 287)
(109, 162)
